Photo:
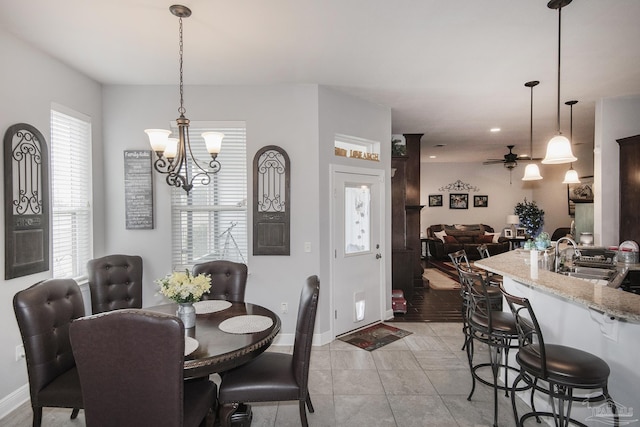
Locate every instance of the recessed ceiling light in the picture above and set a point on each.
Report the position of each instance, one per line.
(494, 129)
(432, 157)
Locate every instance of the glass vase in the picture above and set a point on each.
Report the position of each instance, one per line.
(187, 313)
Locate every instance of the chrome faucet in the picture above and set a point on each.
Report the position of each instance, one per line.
(573, 243)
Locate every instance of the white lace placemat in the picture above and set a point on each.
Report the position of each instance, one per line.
(210, 306)
(190, 345)
(246, 324)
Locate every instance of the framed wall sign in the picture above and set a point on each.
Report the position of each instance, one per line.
(458, 201)
(579, 193)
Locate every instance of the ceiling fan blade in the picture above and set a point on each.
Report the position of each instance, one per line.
(493, 161)
(535, 159)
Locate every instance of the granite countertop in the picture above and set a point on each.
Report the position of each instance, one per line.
(615, 302)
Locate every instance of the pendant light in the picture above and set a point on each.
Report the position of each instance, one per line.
(559, 147)
(571, 177)
(531, 172)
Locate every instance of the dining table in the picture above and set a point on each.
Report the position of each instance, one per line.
(226, 335)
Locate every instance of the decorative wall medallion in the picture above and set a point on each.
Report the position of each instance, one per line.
(459, 186)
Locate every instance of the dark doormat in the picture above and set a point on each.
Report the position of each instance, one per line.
(375, 336)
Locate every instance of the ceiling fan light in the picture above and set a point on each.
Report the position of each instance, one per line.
(571, 177)
(559, 151)
(531, 173)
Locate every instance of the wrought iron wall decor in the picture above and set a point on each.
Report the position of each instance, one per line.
(459, 186)
(26, 201)
(271, 203)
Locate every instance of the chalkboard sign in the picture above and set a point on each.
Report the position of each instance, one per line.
(138, 189)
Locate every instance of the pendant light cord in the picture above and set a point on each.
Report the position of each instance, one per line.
(559, 46)
(181, 110)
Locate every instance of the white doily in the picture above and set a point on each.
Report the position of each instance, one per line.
(246, 324)
(190, 345)
(211, 306)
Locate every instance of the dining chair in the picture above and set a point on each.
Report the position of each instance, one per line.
(44, 312)
(115, 282)
(131, 368)
(228, 279)
(274, 376)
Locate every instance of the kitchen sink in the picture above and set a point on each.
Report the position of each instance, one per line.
(589, 273)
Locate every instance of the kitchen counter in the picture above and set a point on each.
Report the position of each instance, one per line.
(613, 302)
(592, 317)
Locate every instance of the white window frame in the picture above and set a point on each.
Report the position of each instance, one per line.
(215, 207)
(71, 193)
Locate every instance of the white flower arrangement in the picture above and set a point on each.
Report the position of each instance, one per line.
(183, 287)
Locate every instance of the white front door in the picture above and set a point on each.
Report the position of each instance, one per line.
(357, 250)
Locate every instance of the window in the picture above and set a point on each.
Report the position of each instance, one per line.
(71, 192)
(211, 221)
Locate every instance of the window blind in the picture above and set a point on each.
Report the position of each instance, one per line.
(71, 194)
(211, 221)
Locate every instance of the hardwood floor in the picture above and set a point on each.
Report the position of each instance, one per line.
(429, 305)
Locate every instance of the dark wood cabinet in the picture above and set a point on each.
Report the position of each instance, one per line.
(629, 188)
(405, 211)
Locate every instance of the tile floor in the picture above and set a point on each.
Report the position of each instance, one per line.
(420, 380)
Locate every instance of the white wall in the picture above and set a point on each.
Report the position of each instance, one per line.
(491, 180)
(31, 81)
(616, 118)
(285, 116)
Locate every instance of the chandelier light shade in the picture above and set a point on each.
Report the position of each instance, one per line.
(531, 172)
(174, 156)
(559, 147)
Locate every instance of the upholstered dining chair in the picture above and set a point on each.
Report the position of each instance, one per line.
(131, 368)
(44, 312)
(273, 377)
(115, 282)
(228, 279)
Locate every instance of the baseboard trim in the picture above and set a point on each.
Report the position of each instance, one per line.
(13, 400)
(288, 339)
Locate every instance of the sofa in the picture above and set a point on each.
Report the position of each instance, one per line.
(443, 239)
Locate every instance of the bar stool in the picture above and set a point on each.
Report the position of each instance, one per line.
(562, 368)
(461, 262)
(492, 327)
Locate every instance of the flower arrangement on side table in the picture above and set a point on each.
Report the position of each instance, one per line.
(185, 289)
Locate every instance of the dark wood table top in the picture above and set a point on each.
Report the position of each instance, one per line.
(220, 351)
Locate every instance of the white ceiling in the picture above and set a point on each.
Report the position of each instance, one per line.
(448, 69)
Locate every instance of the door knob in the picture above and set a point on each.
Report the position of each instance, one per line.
(378, 256)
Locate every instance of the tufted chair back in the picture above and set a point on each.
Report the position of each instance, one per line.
(44, 312)
(115, 282)
(131, 367)
(228, 279)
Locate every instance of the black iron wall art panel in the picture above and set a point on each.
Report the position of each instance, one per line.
(271, 202)
(26, 201)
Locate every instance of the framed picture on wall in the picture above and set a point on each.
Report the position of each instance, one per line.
(579, 193)
(480, 201)
(435, 200)
(458, 201)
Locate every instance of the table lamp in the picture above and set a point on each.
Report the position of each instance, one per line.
(513, 220)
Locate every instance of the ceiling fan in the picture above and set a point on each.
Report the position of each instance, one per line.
(510, 159)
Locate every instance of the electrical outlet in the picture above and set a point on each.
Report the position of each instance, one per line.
(284, 308)
(307, 246)
(19, 352)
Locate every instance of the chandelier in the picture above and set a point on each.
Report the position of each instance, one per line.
(174, 156)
